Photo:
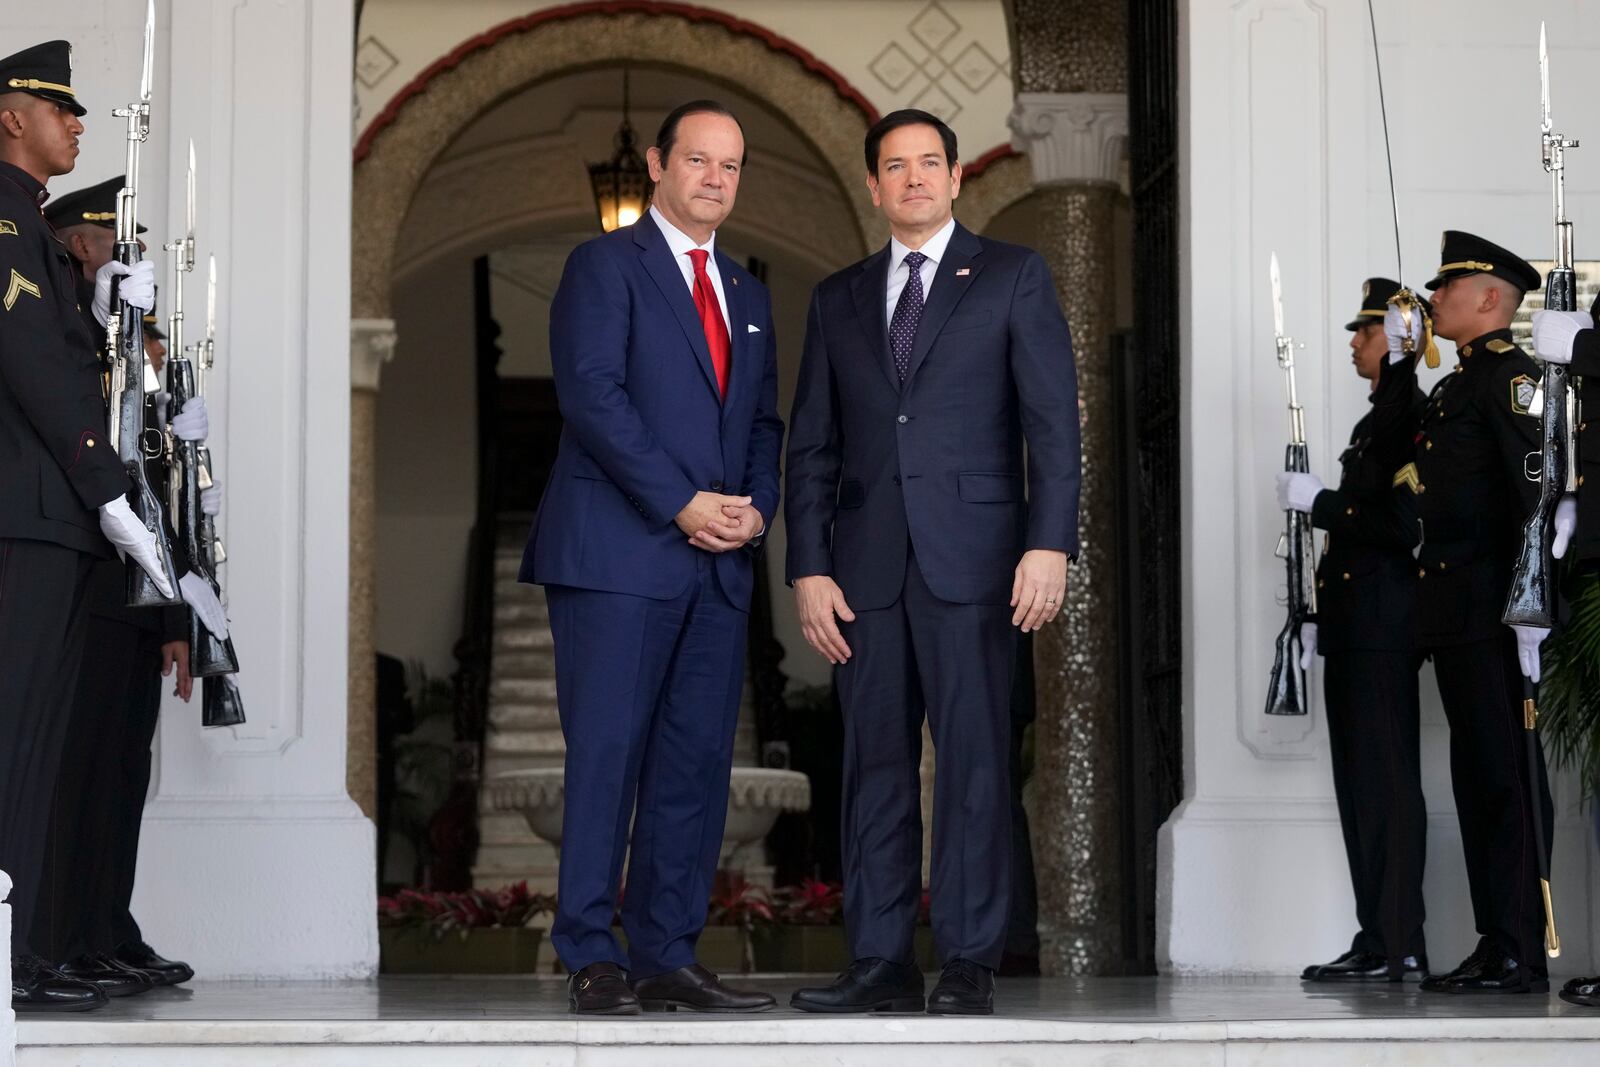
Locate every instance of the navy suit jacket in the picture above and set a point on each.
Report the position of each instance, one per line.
(937, 462)
(645, 428)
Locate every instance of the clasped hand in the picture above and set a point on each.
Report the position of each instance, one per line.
(718, 523)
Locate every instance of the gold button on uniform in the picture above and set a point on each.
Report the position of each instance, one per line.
(1422, 572)
(1347, 576)
(91, 442)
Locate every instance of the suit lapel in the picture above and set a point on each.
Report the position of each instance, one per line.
(740, 368)
(661, 265)
(956, 272)
(870, 289)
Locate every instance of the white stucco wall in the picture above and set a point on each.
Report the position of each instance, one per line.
(254, 861)
(1282, 149)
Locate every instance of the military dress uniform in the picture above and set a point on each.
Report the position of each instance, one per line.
(1366, 595)
(1472, 495)
(84, 918)
(56, 470)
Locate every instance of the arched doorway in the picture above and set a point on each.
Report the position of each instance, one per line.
(490, 206)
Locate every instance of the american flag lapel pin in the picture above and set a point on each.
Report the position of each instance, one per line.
(963, 272)
(734, 280)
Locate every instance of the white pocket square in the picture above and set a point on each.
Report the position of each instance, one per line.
(751, 327)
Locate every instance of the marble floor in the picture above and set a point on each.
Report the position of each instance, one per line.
(398, 1022)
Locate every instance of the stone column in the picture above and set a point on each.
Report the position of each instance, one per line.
(1075, 142)
(372, 344)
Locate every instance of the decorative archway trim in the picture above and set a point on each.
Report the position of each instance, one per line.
(689, 12)
(994, 155)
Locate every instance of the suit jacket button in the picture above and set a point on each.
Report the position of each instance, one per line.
(716, 487)
(896, 479)
(902, 418)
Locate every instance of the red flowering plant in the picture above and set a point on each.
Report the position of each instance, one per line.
(735, 902)
(460, 913)
(811, 903)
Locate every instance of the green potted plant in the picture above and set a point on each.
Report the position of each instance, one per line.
(1569, 696)
(473, 932)
(807, 934)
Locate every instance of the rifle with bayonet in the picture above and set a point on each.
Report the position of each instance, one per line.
(220, 701)
(125, 351)
(1532, 599)
(209, 654)
(1286, 692)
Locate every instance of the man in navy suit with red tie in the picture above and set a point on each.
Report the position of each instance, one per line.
(667, 477)
(915, 556)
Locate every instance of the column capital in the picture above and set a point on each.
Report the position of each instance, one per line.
(372, 344)
(1071, 137)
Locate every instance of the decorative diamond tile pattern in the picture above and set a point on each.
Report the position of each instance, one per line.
(975, 67)
(934, 27)
(936, 101)
(893, 67)
(374, 62)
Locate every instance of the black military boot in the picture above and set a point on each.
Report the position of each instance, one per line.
(1489, 970)
(141, 957)
(36, 986)
(1584, 991)
(106, 974)
(1357, 966)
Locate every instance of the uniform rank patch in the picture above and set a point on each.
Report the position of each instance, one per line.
(7, 226)
(18, 286)
(1499, 347)
(1407, 476)
(1522, 390)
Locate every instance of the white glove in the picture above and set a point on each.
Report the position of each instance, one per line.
(192, 423)
(1528, 640)
(128, 535)
(1554, 331)
(138, 288)
(1394, 329)
(1297, 492)
(211, 499)
(1308, 645)
(202, 600)
(1566, 523)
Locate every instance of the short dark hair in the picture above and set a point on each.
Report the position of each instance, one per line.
(908, 117)
(667, 136)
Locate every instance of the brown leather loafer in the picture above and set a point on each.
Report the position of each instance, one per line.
(601, 989)
(694, 988)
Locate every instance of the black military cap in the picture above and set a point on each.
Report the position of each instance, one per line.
(1375, 294)
(43, 70)
(1463, 254)
(152, 326)
(95, 206)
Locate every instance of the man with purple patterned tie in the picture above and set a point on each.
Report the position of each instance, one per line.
(914, 553)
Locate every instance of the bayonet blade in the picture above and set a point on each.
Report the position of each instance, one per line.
(191, 208)
(1544, 82)
(146, 80)
(1277, 299)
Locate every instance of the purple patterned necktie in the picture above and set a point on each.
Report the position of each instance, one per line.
(907, 315)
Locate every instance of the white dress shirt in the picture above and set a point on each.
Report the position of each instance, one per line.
(899, 274)
(681, 244)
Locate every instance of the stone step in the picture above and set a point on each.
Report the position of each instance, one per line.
(525, 742)
(523, 665)
(512, 610)
(522, 691)
(524, 637)
(532, 716)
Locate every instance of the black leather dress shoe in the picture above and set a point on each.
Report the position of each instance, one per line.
(601, 989)
(1488, 970)
(36, 986)
(870, 984)
(965, 988)
(694, 988)
(1585, 991)
(141, 957)
(106, 974)
(1356, 966)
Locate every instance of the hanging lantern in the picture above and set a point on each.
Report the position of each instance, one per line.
(621, 182)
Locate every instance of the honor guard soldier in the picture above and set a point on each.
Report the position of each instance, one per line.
(62, 484)
(83, 923)
(1472, 494)
(1571, 337)
(1365, 633)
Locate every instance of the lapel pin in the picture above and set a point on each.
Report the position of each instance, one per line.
(735, 281)
(963, 272)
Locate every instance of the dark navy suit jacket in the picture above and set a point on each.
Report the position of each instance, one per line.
(645, 428)
(937, 462)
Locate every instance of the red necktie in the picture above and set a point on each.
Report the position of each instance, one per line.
(705, 302)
